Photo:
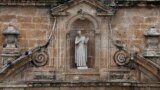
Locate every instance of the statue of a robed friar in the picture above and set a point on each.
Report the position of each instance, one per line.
(81, 51)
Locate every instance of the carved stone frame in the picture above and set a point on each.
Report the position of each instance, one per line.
(97, 38)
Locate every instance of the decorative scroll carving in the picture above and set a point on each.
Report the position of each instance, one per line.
(125, 56)
(40, 58)
(121, 57)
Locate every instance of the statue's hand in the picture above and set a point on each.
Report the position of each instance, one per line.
(87, 38)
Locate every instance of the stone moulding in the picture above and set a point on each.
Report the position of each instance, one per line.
(59, 10)
(28, 2)
(80, 83)
(54, 3)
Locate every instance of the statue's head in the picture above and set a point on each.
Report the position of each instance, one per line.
(79, 32)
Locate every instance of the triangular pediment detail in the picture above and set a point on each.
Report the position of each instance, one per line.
(100, 7)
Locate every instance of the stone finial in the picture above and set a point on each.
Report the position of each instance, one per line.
(152, 32)
(10, 50)
(10, 30)
(10, 34)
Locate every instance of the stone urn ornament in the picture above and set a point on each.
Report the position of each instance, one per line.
(10, 47)
(152, 42)
(11, 35)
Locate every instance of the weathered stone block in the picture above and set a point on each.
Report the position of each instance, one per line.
(7, 18)
(145, 26)
(133, 27)
(23, 43)
(27, 26)
(28, 11)
(44, 26)
(41, 34)
(40, 20)
(137, 19)
(32, 43)
(151, 19)
(22, 34)
(13, 88)
(24, 19)
(138, 34)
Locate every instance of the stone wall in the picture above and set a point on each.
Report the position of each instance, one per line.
(130, 24)
(35, 23)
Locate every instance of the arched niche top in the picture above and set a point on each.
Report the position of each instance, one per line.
(83, 16)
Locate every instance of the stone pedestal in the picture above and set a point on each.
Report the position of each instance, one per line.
(82, 68)
(9, 54)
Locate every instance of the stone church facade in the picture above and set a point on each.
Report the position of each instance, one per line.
(38, 44)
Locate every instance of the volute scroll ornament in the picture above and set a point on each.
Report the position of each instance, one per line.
(121, 57)
(40, 58)
(40, 55)
(124, 56)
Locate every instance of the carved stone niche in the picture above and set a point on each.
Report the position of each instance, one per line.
(152, 41)
(88, 28)
(91, 44)
(10, 47)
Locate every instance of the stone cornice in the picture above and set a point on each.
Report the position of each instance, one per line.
(55, 3)
(135, 3)
(55, 83)
(29, 2)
